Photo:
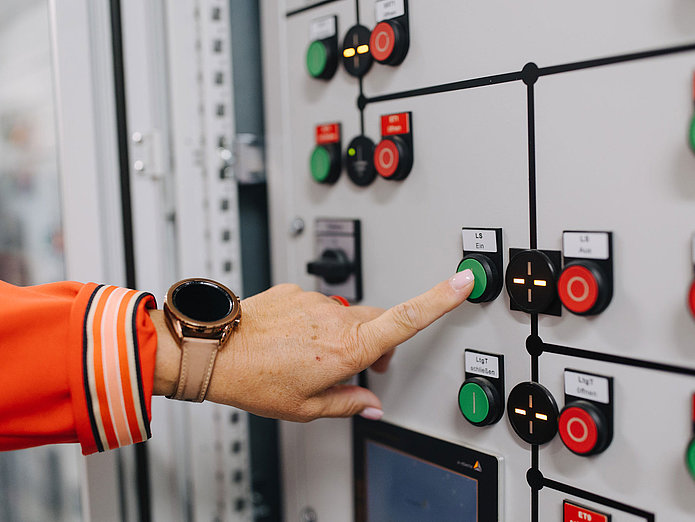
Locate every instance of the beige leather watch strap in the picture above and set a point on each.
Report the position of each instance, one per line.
(197, 361)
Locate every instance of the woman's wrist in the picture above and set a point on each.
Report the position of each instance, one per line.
(166, 370)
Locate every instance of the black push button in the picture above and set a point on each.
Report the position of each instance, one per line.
(357, 58)
(359, 161)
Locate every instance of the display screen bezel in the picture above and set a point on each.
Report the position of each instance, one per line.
(457, 459)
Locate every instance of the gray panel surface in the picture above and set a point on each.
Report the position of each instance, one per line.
(611, 154)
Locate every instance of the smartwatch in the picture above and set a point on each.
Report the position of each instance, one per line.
(201, 314)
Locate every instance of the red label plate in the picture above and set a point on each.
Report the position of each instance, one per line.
(574, 513)
(329, 133)
(392, 124)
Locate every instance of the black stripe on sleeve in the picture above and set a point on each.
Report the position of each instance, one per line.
(85, 377)
(136, 350)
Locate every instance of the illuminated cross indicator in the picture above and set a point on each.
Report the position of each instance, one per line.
(531, 281)
(532, 412)
(357, 57)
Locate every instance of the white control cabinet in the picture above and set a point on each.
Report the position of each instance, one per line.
(536, 118)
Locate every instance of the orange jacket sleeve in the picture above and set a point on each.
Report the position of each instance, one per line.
(76, 365)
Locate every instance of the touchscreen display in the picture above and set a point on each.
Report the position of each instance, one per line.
(403, 488)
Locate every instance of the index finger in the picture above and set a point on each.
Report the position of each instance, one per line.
(398, 324)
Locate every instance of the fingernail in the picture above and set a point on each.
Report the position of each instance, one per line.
(372, 413)
(462, 280)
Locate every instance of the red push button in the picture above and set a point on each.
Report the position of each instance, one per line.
(583, 428)
(583, 288)
(691, 298)
(389, 42)
(574, 513)
(386, 158)
(578, 430)
(382, 42)
(578, 289)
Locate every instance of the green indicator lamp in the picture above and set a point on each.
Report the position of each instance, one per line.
(352, 152)
(690, 451)
(691, 136)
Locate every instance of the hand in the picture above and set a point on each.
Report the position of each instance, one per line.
(294, 348)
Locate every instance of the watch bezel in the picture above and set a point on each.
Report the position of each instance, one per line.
(182, 325)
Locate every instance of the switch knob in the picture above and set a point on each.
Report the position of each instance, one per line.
(321, 60)
(389, 42)
(583, 428)
(583, 288)
(357, 57)
(334, 266)
(530, 281)
(359, 161)
(393, 158)
(532, 412)
(480, 402)
(325, 164)
(488, 281)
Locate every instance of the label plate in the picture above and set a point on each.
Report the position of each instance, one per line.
(322, 28)
(387, 9)
(476, 240)
(587, 245)
(392, 124)
(329, 133)
(587, 386)
(482, 364)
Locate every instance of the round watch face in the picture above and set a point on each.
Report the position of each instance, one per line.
(202, 301)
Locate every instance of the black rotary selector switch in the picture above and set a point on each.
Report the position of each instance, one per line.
(357, 57)
(532, 412)
(334, 266)
(359, 161)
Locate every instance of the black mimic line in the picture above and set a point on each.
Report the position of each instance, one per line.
(485, 81)
(530, 76)
(616, 359)
(308, 7)
(599, 62)
(598, 499)
(497, 79)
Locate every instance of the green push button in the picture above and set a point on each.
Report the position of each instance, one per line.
(473, 402)
(320, 164)
(692, 134)
(478, 273)
(316, 58)
(690, 458)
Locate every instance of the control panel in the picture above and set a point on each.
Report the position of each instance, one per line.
(548, 148)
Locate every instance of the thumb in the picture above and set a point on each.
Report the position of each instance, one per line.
(346, 400)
